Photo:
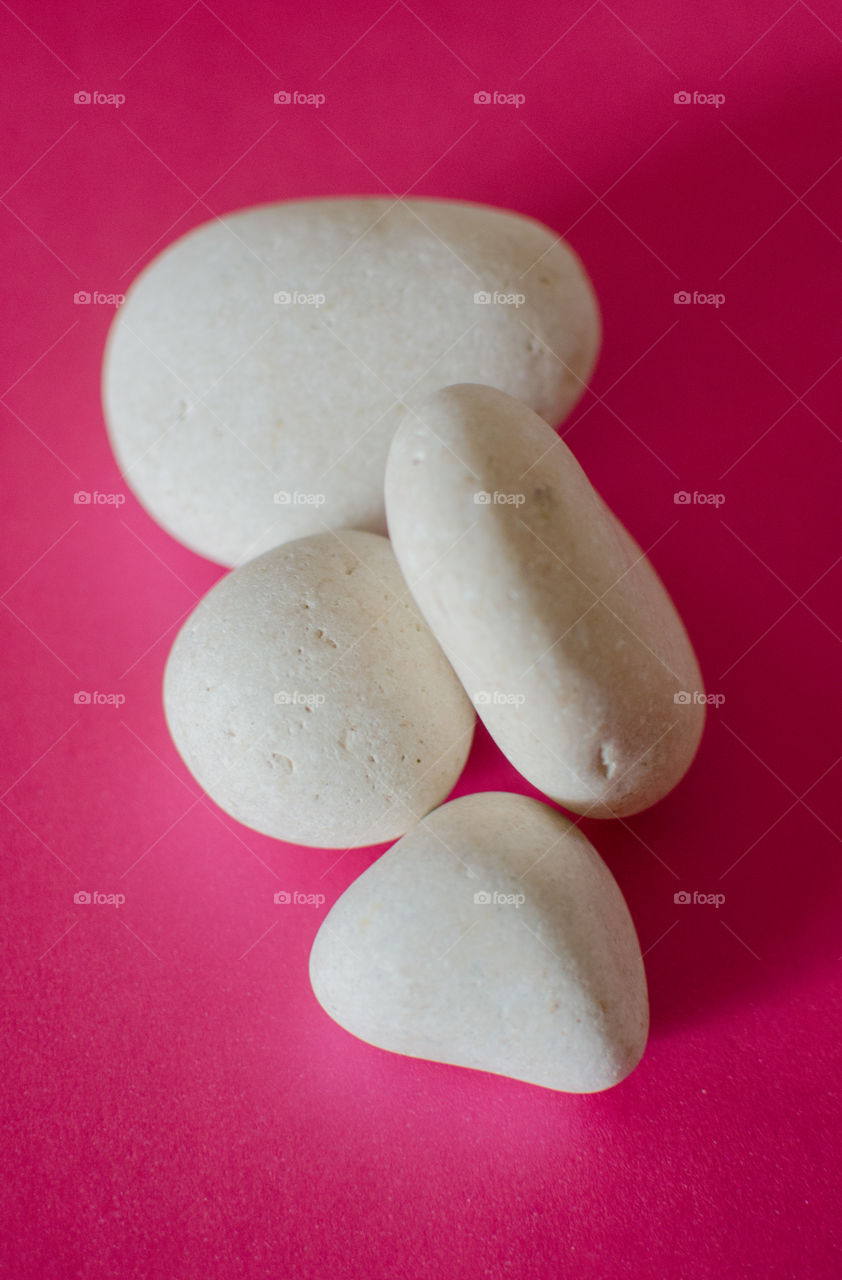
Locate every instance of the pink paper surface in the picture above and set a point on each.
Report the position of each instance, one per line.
(177, 1103)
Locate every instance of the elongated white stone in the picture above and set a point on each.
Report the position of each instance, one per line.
(558, 626)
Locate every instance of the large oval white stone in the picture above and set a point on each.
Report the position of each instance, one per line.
(259, 366)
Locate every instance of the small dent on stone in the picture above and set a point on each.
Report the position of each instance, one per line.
(607, 763)
(282, 762)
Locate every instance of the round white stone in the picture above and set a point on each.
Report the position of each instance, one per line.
(491, 936)
(307, 696)
(558, 626)
(259, 366)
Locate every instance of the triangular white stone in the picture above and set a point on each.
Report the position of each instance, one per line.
(491, 936)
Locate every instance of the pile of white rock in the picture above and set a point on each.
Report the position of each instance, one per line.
(285, 387)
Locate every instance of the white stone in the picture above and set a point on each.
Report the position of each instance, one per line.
(241, 422)
(307, 696)
(491, 936)
(558, 626)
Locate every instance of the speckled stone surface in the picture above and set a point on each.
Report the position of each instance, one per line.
(242, 421)
(308, 697)
(558, 626)
(491, 936)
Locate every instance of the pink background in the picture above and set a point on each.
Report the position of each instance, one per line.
(178, 1104)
